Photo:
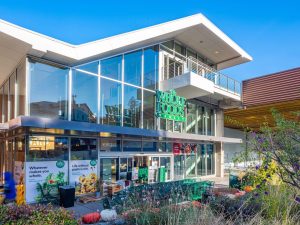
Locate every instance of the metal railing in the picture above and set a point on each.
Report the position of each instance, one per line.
(183, 65)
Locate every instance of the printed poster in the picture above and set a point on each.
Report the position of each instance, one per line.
(135, 173)
(19, 172)
(83, 175)
(43, 178)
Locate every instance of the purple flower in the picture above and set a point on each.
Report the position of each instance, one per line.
(297, 199)
(296, 166)
(257, 186)
(264, 180)
(256, 194)
(268, 175)
(266, 167)
(257, 167)
(266, 193)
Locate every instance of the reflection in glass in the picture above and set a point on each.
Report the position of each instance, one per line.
(210, 159)
(110, 145)
(48, 91)
(84, 97)
(148, 122)
(109, 169)
(132, 107)
(166, 162)
(149, 146)
(133, 68)
(12, 81)
(132, 146)
(200, 120)
(47, 148)
(21, 73)
(202, 162)
(5, 102)
(111, 102)
(1, 104)
(151, 67)
(191, 118)
(112, 67)
(83, 149)
(90, 67)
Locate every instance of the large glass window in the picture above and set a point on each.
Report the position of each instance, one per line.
(132, 146)
(84, 97)
(200, 120)
(201, 167)
(151, 67)
(132, 106)
(133, 68)
(1, 104)
(210, 159)
(12, 83)
(47, 148)
(110, 145)
(191, 118)
(90, 67)
(111, 102)
(112, 67)
(21, 73)
(149, 146)
(83, 149)
(48, 91)
(210, 122)
(149, 119)
(5, 102)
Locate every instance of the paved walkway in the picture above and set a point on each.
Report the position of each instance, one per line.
(81, 209)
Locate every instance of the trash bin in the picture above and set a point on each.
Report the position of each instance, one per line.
(67, 196)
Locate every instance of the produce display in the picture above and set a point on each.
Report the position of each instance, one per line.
(87, 184)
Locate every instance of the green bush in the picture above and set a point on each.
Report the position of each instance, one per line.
(35, 215)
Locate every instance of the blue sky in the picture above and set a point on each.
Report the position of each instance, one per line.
(269, 30)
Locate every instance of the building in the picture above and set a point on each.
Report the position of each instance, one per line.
(147, 103)
(280, 91)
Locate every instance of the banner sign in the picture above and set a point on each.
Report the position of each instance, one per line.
(84, 176)
(170, 106)
(43, 179)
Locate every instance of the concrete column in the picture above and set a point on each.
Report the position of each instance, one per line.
(219, 123)
(219, 159)
(219, 145)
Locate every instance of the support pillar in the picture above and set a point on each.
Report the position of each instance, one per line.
(219, 159)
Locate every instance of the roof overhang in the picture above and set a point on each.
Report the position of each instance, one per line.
(195, 31)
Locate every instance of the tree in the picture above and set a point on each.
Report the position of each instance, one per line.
(280, 144)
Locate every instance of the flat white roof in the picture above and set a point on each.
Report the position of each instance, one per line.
(195, 31)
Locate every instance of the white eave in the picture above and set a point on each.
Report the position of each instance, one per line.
(195, 31)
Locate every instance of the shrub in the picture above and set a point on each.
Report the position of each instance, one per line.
(35, 214)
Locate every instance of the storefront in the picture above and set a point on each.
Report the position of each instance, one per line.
(147, 112)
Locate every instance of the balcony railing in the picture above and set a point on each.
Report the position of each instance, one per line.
(183, 65)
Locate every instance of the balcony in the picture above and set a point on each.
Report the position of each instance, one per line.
(192, 78)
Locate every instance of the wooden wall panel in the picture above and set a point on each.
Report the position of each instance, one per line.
(274, 88)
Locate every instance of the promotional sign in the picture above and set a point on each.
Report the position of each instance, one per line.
(83, 175)
(135, 173)
(43, 178)
(170, 106)
(176, 148)
(19, 172)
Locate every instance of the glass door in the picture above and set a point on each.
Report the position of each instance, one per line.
(165, 162)
(179, 167)
(109, 170)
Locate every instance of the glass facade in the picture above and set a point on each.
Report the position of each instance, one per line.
(133, 68)
(132, 107)
(84, 97)
(111, 102)
(48, 94)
